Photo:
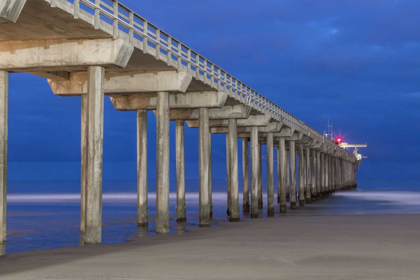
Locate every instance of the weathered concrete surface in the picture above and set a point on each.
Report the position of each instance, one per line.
(313, 174)
(162, 161)
(4, 115)
(204, 130)
(228, 174)
(233, 161)
(142, 187)
(334, 247)
(302, 177)
(253, 120)
(283, 175)
(260, 191)
(308, 175)
(292, 147)
(93, 230)
(210, 176)
(270, 175)
(84, 161)
(226, 112)
(56, 55)
(119, 83)
(10, 10)
(255, 171)
(245, 174)
(189, 100)
(272, 127)
(181, 210)
(318, 173)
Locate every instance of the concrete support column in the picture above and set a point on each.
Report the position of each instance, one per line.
(4, 107)
(142, 187)
(293, 193)
(84, 160)
(255, 167)
(270, 175)
(323, 173)
(308, 175)
(96, 82)
(210, 176)
(283, 174)
(302, 179)
(245, 172)
(204, 131)
(313, 175)
(228, 175)
(260, 192)
(318, 174)
(288, 176)
(181, 211)
(162, 168)
(278, 174)
(234, 184)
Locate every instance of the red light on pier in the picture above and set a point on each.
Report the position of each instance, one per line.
(338, 140)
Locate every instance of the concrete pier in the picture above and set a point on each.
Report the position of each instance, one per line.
(293, 194)
(204, 134)
(89, 56)
(96, 80)
(318, 174)
(4, 104)
(210, 176)
(233, 160)
(245, 173)
(270, 175)
(308, 195)
(255, 171)
(229, 177)
(313, 174)
(260, 188)
(142, 187)
(302, 177)
(288, 180)
(284, 173)
(181, 210)
(84, 160)
(162, 160)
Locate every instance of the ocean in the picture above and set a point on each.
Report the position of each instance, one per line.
(41, 221)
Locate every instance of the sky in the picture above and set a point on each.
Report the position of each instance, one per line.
(355, 63)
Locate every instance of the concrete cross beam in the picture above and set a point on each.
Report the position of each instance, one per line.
(189, 100)
(272, 127)
(58, 55)
(10, 10)
(226, 112)
(245, 131)
(123, 83)
(285, 132)
(253, 120)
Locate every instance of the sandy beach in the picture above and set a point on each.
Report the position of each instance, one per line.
(298, 247)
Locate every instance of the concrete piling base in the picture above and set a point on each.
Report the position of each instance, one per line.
(283, 209)
(293, 206)
(301, 203)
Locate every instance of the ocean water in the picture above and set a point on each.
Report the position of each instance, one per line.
(40, 221)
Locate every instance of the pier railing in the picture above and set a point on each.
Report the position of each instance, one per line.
(139, 30)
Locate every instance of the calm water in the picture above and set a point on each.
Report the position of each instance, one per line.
(46, 221)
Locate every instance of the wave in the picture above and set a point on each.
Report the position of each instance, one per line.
(393, 197)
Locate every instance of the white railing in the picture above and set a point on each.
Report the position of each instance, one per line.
(139, 29)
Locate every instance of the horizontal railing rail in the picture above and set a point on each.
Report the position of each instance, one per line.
(139, 29)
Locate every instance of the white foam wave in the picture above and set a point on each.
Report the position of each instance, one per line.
(405, 198)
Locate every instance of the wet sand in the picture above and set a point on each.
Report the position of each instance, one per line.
(289, 247)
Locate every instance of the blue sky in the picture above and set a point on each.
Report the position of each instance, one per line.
(353, 62)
